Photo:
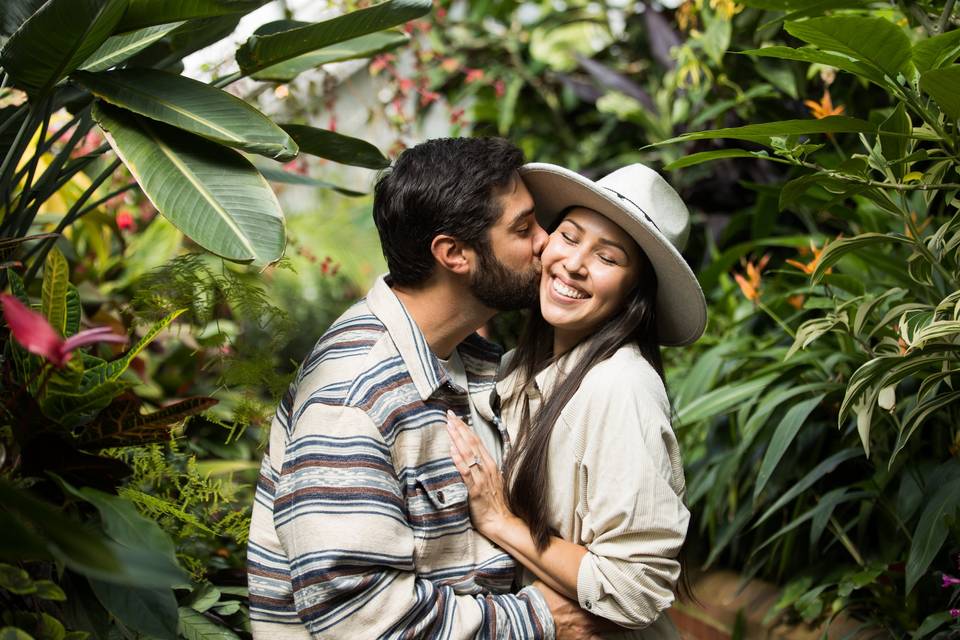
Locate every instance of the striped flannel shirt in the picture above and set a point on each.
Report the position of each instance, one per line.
(360, 526)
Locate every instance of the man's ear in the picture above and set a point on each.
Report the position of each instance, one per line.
(451, 254)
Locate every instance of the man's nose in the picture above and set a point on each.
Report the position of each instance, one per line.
(540, 238)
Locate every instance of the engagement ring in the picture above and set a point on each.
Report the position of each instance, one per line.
(476, 461)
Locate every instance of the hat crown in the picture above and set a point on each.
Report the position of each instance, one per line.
(655, 202)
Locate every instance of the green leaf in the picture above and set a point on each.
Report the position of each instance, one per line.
(117, 49)
(48, 590)
(150, 611)
(827, 466)
(876, 41)
(508, 106)
(918, 415)
(146, 13)
(260, 52)
(710, 156)
(932, 531)
(716, 37)
(192, 106)
(839, 248)
(895, 138)
(937, 52)
(195, 626)
(943, 85)
(825, 507)
(74, 311)
(362, 47)
(815, 56)
(13, 633)
(761, 133)
(16, 580)
(49, 628)
(204, 597)
(110, 371)
(783, 436)
(721, 400)
(56, 278)
(932, 622)
(66, 539)
(214, 195)
(336, 147)
(285, 177)
(57, 39)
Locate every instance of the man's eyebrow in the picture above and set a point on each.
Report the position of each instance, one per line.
(520, 216)
(611, 243)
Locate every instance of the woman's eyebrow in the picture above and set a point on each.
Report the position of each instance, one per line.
(612, 243)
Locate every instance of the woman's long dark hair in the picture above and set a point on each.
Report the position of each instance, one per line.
(525, 470)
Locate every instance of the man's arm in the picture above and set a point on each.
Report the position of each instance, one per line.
(340, 514)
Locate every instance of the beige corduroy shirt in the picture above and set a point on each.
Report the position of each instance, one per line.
(615, 486)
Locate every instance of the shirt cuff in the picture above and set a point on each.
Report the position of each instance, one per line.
(587, 591)
(539, 605)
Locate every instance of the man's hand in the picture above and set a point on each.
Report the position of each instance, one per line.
(572, 622)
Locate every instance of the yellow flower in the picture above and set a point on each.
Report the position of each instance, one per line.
(725, 8)
(750, 284)
(824, 108)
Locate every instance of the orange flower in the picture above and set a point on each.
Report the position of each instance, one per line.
(811, 266)
(920, 227)
(824, 108)
(750, 285)
(686, 16)
(796, 301)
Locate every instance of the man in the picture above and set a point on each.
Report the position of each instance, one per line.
(361, 527)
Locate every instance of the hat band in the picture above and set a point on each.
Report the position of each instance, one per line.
(639, 208)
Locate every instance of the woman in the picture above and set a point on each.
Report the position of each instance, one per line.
(593, 500)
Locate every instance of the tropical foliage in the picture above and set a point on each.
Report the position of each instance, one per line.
(116, 517)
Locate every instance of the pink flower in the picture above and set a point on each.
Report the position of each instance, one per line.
(125, 220)
(955, 613)
(499, 88)
(35, 334)
(473, 75)
(949, 581)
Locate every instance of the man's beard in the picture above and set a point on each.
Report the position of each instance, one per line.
(500, 288)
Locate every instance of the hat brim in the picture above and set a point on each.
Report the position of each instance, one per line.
(681, 307)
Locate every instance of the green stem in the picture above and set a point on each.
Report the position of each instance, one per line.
(70, 216)
(227, 79)
(14, 152)
(49, 142)
(31, 169)
(846, 177)
(945, 16)
(846, 541)
(769, 312)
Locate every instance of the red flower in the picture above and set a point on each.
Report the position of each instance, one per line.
(473, 75)
(35, 334)
(499, 88)
(125, 220)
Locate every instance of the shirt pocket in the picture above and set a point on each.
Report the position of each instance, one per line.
(440, 517)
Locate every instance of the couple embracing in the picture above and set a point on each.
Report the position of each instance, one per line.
(418, 485)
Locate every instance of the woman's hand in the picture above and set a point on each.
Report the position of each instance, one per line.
(488, 507)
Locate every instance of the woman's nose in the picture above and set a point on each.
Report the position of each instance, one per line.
(574, 262)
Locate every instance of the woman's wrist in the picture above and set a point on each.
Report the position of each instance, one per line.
(499, 529)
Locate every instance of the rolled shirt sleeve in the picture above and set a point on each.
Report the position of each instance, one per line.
(340, 515)
(633, 520)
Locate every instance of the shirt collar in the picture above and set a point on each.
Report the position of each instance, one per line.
(480, 357)
(544, 379)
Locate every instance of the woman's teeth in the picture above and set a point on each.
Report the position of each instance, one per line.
(567, 292)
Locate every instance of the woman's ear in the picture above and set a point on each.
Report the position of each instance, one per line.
(451, 254)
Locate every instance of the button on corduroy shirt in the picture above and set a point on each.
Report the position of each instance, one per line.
(360, 526)
(615, 485)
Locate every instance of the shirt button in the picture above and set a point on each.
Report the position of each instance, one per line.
(588, 605)
(440, 497)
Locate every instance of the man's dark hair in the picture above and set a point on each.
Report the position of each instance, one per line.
(444, 186)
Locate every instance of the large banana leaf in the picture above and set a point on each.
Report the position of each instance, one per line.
(362, 47)
(260, 52)
(119, 48)
(193, 106)
(336, 147)
(15, 13)
(147, 13)
(57, 39)
(212, 194)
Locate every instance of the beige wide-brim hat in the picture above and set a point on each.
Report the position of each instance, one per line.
(644, 205)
